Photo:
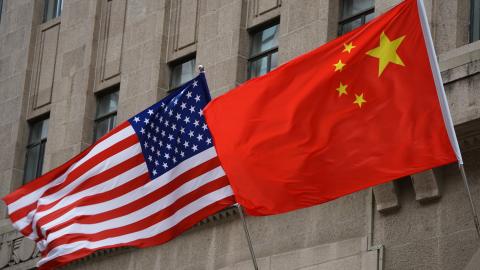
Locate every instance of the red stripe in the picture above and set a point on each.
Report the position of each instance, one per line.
(143, 201)
(22, 212)
(143, 223)
(152, 241)
(93, 181)
(55, 173)
(93, 161)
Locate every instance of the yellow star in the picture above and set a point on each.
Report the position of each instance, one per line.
(342, 89)
(348, 47)
(386, 52)
(339, 66)
(359, 100)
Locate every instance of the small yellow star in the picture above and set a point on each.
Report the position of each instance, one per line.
(348, 47)
(359, 100)
(339, 66)
(342, 89)
(386, 52)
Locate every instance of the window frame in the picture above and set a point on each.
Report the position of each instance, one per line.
(267, 53)
(58, 8)
(179, 62)
(42, 143)
(344, 20)
(98, 119)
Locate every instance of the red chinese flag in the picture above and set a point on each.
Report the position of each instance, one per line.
(359, 111)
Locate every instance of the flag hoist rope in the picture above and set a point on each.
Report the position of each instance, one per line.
(444, 105)
(201, 69)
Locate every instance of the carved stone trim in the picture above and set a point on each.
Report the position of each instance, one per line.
(17, 251)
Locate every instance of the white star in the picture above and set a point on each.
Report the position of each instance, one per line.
(182, 154)
(142, 130)
(150, 112)
(154, 139)
(209, 141)
(174, 160)
(178, 139)
(170, 137)
(152, 125)
(165, 165)
(195, 83)
(161, 119)
(176, 150)
(156, 116)
(178, 116)
(197, 98)
(204, 126)
(196, 123)
(152, 148)
(186, 120)
(166, 123)
(154, 172)
(170, 113)
(136, 119)
(167, 156)
(145, 144)
(160, 143)
(192, 109)
(191, 134)
(158, 153)
(185, 144)
(150, 158)
(156, 163)
(174, 127)
(175, 101)
(189, 94)
(146, 121)
(200, 112)
(183, 106)
(163, 133)
(200, 137)
(182, 130)
(163, 104)
(157, 130)
(194, 148)
(169, 147)
(149, 135)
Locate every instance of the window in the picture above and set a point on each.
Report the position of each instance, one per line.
(106, 117)
(35, 150)
(1, 8)
(354, 13)
(182, 72)
(475, 20)
(53, 9)
(264, 52)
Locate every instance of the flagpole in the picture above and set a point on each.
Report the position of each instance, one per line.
(444, 106)
(249, 241)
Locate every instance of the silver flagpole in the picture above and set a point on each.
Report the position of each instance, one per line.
(444, 105)
(201, 69)
(249, 241)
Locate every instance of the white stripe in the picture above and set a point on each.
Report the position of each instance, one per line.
(151, 231)
(142, 213)
(100, 167)
(116, 181)
(134, 194)
(35, 195)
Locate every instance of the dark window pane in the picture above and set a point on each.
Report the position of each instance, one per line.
(349, 26)
(107, 104)
(274, 60)
(259, 67)
(53, 9)
(101, 128)
(182, 73)
(35, 150)
(475, 21)
(354, 7)
(265, 40)
(1, 8)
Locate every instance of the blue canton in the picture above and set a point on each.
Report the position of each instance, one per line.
(174, 129)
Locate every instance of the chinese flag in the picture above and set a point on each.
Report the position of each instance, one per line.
(359, 111)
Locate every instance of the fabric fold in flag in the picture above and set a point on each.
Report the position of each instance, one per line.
(356, 112)
(143, 183)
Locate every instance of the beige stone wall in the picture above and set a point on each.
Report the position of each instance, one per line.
(56, 68)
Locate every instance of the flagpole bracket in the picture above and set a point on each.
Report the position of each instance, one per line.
(201, 68)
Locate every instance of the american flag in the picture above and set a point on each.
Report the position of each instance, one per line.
(148, 180)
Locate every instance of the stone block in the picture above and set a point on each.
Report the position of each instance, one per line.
(386, 197)
(425, 186)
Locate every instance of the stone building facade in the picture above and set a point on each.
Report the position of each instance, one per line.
(70, 70)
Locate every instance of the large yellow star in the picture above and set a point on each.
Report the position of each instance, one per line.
(342, 89)
(339, 66)
(348, 47)
(359, 100)
(386, 52)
